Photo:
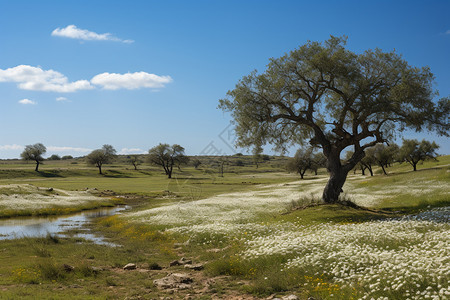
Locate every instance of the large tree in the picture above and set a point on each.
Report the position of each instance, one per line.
(333, 98)
(413, 151)
(34, 152)
(167, 156)
(101, 156)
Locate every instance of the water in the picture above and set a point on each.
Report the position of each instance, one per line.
(56, 225)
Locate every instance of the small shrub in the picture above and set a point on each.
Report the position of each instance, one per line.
(49, 270)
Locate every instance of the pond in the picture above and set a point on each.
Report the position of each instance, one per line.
(14, 228)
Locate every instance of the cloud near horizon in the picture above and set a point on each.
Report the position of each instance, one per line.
(27, 102)
(132, 151)
(73, 32)
(11, 147)
(36, 79)
(67, 149)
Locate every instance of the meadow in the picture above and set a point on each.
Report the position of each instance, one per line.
(258, 232)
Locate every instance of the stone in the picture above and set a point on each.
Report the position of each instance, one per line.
(290, 297)
(174, 263)
(174, 281)
(130, 266)
(96, 270)
(68, 268)
(182, 261)
(195, 267)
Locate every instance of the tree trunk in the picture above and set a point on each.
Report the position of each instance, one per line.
(338, 175)
(382, 167)
(37, 166)
(415, 166)
(169, 171)
(100, 169)
(363, 172)
(370, 170)
(302, 174)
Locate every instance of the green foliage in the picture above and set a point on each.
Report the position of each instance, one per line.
(34, 152)
(413, 151)
(167, 156)
(54, 157)
(333, 98)
(101, 156)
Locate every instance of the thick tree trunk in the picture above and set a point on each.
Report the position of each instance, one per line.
(338, 175)
(415, 166)
(334, 186)
(100, 170)
(370, 170)
(37, 166)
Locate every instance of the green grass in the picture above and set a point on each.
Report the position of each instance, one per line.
(33, 267)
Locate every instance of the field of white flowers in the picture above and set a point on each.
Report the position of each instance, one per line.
(397, 258)
(29, 197)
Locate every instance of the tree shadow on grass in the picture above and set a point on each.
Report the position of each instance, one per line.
(49, 174)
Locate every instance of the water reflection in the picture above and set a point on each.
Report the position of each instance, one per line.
(41, 226)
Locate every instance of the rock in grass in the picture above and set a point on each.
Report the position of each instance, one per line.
(68, 268)
(174, 281)
(130, 266)
(182, 261)
(154, 266)
(195, 267)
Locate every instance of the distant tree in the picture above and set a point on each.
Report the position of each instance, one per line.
(54, 157)
(265, 157)
(196, 163)
(384, 155)
(239, 163)
(34, 152)
(257, 158)
(221, 162)
(102, 156)
(413, 152)
(302, 161)
(65, 157)
(328, 96)
(167, 156)
(318, 161)
(134, 160)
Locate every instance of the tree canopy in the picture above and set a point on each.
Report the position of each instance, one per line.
(333, 98)
(101, 156)
(167, 156)
(34, 152)
(413, 151)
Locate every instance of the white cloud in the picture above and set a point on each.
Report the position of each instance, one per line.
(130, 81)
(67, 149)
(11, 147)
(27, 101)
(132, 151)
(37, 79)
(73, 32)
(62, 99)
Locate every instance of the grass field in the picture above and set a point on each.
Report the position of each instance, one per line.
(258, 232)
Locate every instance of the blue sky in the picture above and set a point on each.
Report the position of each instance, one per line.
(75, 75)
